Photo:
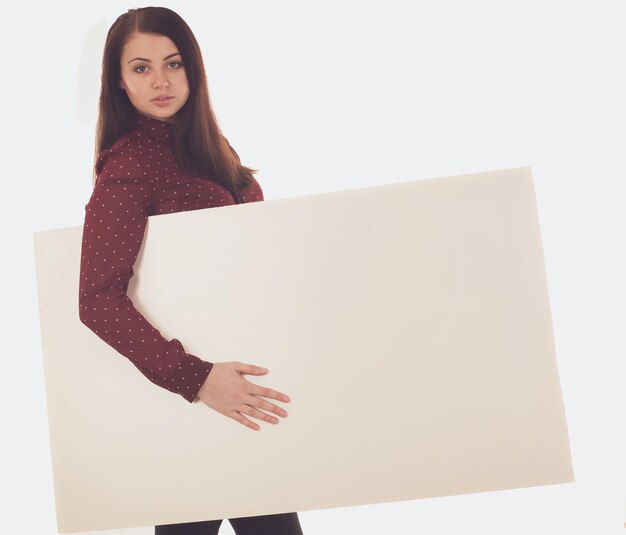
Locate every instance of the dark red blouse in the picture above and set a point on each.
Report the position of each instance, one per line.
(138, 177)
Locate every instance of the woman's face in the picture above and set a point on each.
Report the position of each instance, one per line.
(151, 67)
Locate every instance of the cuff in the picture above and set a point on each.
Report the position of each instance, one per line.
(190, 376)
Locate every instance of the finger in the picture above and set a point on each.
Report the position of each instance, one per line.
(263, 404)
(258, 414)
(269, 393)
(243, 420)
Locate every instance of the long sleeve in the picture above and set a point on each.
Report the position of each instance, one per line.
(115, 221)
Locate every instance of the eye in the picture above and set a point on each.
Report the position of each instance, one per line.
(176, 63)
(139, 67)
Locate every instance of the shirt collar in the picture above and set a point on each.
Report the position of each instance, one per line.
(159, 130)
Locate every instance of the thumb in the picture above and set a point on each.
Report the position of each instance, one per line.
(251, 369)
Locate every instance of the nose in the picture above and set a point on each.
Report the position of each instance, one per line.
(160, 81)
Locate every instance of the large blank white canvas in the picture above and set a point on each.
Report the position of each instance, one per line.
(409, 323)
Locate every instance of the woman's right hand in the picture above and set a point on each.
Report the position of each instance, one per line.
(226, 391)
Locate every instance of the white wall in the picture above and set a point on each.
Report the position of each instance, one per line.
(324, 96)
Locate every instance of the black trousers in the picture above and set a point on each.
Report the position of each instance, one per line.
(279, 524)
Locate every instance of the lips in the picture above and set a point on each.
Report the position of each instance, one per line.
(162, 98)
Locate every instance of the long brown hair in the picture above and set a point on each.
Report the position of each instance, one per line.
(199, 141)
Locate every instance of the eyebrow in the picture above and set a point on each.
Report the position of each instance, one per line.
(150, 61)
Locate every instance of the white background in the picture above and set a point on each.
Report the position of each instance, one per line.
(325, 96)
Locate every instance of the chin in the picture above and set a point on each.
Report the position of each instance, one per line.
(162, 115)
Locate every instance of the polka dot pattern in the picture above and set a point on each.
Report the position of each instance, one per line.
(138, 177)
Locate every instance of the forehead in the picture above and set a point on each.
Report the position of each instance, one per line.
(152, 46)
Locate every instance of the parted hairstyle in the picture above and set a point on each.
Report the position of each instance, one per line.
(199, 140)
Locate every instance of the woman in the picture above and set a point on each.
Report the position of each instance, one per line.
(159, 150)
